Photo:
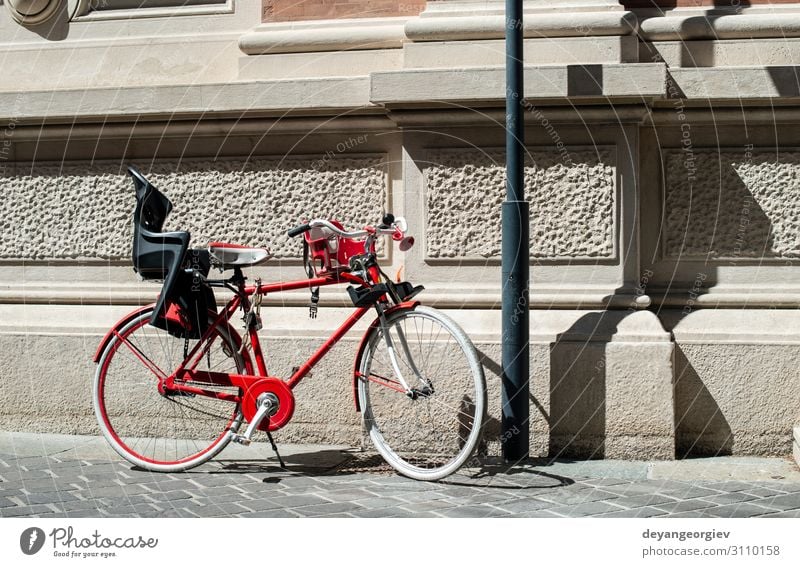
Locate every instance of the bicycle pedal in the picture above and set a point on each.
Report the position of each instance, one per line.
(241, 440)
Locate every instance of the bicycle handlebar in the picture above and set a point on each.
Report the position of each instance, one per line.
(398, 224)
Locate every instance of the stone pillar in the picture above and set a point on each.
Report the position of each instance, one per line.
(611, 390)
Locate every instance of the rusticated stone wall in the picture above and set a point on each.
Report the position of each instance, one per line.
(83, 210)
(573, 203)
(730, 204)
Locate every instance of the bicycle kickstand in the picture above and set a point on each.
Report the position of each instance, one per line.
(275, 448)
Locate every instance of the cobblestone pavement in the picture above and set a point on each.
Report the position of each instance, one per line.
(69, 478)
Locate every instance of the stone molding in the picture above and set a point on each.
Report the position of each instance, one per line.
(736, 83)
(440, 21)
(636, 80)
(86, 15)
(235, 98)
(689, 24)
(547, 326)
(324, 35)
(740, 326)
(727, 296)
(442, 295)
(365, 93)
(459, 20)
(33, 12)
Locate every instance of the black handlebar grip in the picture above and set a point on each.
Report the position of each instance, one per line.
(298, 230)
(388, 219)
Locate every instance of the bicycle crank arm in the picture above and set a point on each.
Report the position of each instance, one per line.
(267, 407)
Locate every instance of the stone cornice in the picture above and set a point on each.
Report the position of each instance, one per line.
(464, 20)
(480, 25)
(691, 25)
(447, 86)
(225, 99)
(324, 35)
(441, 21)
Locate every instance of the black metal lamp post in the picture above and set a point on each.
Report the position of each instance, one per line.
(515, 254)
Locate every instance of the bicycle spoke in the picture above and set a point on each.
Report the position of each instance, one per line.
(164, 431)
(150, 365)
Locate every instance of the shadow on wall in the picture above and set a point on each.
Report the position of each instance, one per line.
(579, 391)
(578, 387)
(785, 79)
(492, 427)
(701, 53)
(701, 429)
(693, 53)
(716, 219)
(711, 214)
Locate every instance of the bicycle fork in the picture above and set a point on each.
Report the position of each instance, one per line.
(413, 393)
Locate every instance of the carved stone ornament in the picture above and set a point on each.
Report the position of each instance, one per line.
(34, 12)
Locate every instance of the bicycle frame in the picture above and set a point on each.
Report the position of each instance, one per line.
(187, 371)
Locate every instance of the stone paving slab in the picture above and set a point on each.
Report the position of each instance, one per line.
(70, 477)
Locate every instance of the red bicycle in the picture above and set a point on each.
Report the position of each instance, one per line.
(176, 382)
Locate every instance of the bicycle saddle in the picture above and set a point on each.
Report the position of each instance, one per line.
(232, 255)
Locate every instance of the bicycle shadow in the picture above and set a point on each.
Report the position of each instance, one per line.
(325, 462)
(494, 473)
(486, 472)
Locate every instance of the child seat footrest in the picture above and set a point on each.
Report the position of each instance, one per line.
(406, 290)
(366, 296)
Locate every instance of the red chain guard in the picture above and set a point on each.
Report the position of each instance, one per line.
(285, 402)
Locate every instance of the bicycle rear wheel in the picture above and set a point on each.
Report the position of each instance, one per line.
(430, 434)
(164, 432)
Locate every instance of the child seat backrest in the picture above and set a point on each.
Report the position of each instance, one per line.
(161, 255)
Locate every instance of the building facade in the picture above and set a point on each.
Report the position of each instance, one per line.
(663, 172)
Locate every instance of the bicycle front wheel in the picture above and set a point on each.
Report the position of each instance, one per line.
(431, 432)
(157, 429)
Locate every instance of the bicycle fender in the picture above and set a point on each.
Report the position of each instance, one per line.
(409, 305)
(118, 327)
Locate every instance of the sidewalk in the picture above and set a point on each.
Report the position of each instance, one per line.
(69, 476)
